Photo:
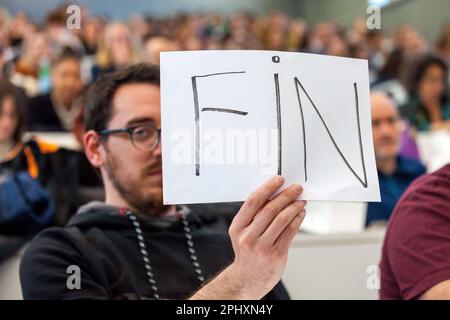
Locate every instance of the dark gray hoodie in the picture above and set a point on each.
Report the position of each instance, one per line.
(103, 245)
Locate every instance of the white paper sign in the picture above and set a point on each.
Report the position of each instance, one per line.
(232, 119)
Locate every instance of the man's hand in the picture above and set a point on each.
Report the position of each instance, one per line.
(261, 234)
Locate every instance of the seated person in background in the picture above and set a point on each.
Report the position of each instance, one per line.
(134, 247)
(116, 50)
(12, 116)
(395, 172)
(415, 262)
(51, 166)
(154, 45)
(57, 111)
(429, 105)
(34, 53)
(16, 156)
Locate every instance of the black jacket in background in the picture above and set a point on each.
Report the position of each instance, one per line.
(42, 115)
(59, 171)
(103, 244)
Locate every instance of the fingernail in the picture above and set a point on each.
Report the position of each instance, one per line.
(297, 188)
(303, 214)
(279, 179)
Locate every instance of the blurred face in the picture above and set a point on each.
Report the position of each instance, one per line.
(8, 120)
(155, 46)
(19, 25)
(136, 175)
(92, 32)
(38, 47)
(118, 39)
(385, 127)
(66, 80)
(192, 43)
(432, 84)
(359, 26)
(297, 28)
(2, 63)
(413, 41)
(337, 47)
(276, 39)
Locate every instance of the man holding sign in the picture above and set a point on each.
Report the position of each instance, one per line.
(230, 120)
(135, 247)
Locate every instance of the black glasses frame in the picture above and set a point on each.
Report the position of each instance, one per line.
(130, 130)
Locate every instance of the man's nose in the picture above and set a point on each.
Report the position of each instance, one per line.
(386, 128)
(158, 150)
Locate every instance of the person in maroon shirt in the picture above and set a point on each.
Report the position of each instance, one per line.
(415, 262)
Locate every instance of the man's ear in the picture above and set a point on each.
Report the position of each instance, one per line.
(93, 148)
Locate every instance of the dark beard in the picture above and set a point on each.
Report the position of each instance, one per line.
(149, 206)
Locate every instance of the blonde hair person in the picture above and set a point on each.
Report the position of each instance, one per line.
(117, 49)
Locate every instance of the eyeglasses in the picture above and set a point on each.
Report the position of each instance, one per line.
(144, 137)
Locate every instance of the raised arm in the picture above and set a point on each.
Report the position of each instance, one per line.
(261, 234)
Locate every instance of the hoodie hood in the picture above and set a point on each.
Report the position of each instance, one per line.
(107, 217)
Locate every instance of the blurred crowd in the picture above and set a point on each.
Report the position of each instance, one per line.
(46, 67)
(27, 48)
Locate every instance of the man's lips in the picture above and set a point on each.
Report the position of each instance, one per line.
(155, 172)
(387, 141)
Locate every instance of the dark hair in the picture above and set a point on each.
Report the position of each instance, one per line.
(57, 16)
(7, 89)
(419, 71)
(99, 107)
(66, 54)
(392, 67)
